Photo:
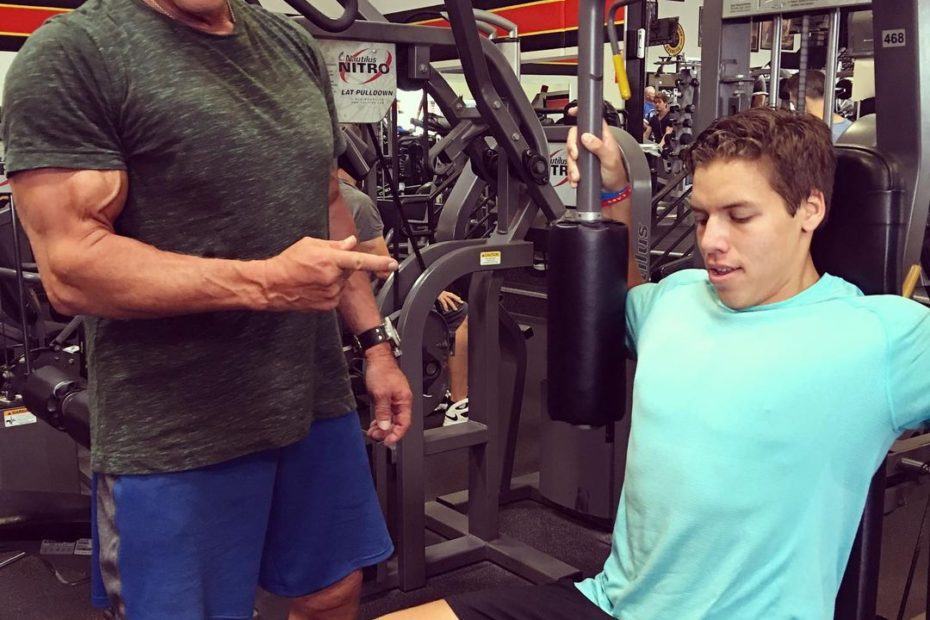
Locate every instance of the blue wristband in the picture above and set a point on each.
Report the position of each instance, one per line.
(611, 195)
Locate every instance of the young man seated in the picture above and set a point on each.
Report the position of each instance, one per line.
(766, 396)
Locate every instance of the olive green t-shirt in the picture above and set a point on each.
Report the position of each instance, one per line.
(227, 142)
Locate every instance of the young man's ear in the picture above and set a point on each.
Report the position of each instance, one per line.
(813, 211)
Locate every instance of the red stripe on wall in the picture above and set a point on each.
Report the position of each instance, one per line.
(23, 21)
(535, 18)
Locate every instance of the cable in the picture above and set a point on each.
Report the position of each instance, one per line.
(395, 195)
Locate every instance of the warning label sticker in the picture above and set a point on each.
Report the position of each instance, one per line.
(490, 258)
(18, 416)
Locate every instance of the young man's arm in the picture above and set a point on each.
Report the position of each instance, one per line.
(613, 178)
(87, 268)
(385, 382)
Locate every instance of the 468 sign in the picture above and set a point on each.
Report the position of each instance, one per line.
(894, 38)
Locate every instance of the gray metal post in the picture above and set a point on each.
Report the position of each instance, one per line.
(510, 45)
(902, 67)
(724, 65)
(775, 79)
(711, 52)
(802, 62)
(483, 391)
(829, 86)
(590, 102)
(20, 286)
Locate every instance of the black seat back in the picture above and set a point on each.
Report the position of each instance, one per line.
(864, 234)
(862, 242)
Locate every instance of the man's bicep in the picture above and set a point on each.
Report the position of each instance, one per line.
(60, 206)
(376, 246)
(341, 224)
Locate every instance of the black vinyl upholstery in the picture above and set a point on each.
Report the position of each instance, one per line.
(862, 238)
(861, 242)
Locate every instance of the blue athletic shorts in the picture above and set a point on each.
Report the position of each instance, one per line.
(196, 544)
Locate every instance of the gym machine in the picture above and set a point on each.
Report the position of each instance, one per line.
(41, 380)
(504, 143)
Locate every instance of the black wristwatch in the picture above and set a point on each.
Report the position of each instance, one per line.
(378, 335)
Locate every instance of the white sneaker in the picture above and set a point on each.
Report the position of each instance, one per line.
(456, 413)
(444, 404)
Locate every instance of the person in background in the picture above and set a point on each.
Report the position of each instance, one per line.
(814, 100)
(661, 123)
(649, 106)
(454, 310)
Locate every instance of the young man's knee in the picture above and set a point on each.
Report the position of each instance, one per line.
(330, 601)
(437, 610)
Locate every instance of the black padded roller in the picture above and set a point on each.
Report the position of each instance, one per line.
(586, 327)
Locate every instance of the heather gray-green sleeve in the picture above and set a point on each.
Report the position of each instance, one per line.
(56, 104)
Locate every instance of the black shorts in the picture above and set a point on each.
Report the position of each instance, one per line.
(554, 601)
(454, 318)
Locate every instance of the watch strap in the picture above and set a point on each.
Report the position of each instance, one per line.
(372, 337)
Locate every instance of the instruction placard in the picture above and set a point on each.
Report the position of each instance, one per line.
(363, 77)
(17, 416)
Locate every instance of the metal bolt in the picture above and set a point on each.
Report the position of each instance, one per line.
(515, 135)
(422, 68)
(496, 105)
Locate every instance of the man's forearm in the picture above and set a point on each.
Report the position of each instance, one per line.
(118, 277)
(357, 306)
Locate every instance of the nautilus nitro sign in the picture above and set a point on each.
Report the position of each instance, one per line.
(558, 174)
(364, 79)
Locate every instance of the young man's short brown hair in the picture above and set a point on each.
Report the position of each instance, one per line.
(797, 150)
(661, 94)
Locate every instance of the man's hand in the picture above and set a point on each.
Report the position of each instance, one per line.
(390, 396)
(613, 174)
(311, 274)
(449, 301)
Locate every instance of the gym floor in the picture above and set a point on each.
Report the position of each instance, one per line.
(29, 591)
